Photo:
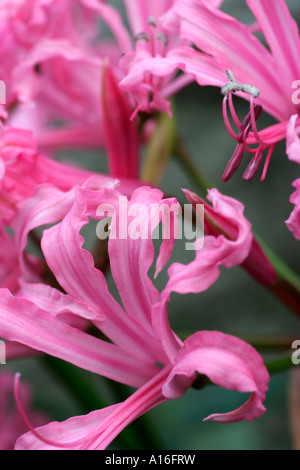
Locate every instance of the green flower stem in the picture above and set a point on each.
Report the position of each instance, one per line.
(181, 152)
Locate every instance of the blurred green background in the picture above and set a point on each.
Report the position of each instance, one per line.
(235, 304)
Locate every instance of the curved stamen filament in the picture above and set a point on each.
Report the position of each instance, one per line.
(29, 425)
(233, 112)
(226, 120)
(268, 159)
(253, 123)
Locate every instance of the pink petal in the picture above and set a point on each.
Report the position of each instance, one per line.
(47, 206)
(282, 34)
(293, 222)
(137, 254)
(70, 263)
(121, 133)
(98, 429)
(77, 429)
(233, 47)
(24, 322)
(201, 273)
(292, 139)
(228, 362)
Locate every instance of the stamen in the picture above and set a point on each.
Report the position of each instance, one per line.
(254, 165)
(226, 120)
(252, 90)
(163, 38)
(233, 112)
(231, 86)
(267, 162)
(247, 123)
(230, 75)
(234, 163)
(141, 36)
(29, 425)
(254, 118)
(151, 21)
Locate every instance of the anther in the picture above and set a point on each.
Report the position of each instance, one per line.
(253, 166)
(252, 90)
(151, 21)
(141, 36)
(163, 38)
(234, 163)
(230, 75)
(246, 126)
(233, 86)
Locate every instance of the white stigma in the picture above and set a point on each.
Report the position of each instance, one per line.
(232, 86)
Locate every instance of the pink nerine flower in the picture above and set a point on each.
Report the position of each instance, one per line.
(226, 224)
(143, 351)
(11, 423)
(23, 168)
(148, 77)
(263, 75)
(293, 222)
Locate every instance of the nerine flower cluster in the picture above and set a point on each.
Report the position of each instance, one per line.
(69, 85)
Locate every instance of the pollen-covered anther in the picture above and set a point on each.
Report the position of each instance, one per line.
(234, 163)
(253, 166)
(233, 86)
(142, 36)
(151, 21)
(252, 90)
(163, 38)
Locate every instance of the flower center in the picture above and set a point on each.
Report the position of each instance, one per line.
(248, 133)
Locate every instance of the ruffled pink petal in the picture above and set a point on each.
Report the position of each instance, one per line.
(233, 47)
(293, 222)
(70, 263)
(55, 302)
(78, 429)
(292, 139)
(98, 429)
(282, 34)
(47, 206)
(24, 322)
(228, 362)
(10, 271)
(201, 273)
